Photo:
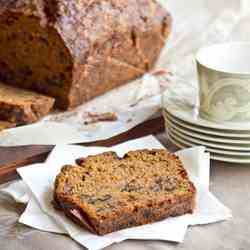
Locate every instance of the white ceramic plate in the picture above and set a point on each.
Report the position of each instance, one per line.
(211, 138)
(219, 157)
(214, 132)
(215, 145)
(180, 101)
(217, 151)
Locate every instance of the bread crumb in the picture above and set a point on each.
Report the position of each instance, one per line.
(160, 72)
(101, 117)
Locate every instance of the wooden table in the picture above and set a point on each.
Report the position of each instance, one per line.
(13, 157)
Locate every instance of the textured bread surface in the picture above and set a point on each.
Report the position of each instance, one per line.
(105, 193)
(76, 50)
(22, 106)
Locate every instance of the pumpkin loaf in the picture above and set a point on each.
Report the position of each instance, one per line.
(105, 193)
(76, 50)
(5, 125)
(22, 106)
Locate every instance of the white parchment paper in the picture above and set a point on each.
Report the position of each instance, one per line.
(40, 214)
(140, 100)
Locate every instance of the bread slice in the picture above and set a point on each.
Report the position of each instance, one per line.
(21, 106)
(105, 193)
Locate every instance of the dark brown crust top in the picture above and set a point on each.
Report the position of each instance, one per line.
(123, 36)
(96, 21)
(103, 19)
(27, 7)
(119, 198)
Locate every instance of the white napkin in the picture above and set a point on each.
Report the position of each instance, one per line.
(40, 213)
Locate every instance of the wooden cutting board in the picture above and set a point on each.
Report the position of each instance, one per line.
(13, 157)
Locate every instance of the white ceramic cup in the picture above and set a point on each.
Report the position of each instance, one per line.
(224, 82)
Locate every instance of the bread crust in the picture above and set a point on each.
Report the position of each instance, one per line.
(150, 209)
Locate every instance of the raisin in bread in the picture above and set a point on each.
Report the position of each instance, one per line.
(76, 50)
(22, 106)
(105, 193)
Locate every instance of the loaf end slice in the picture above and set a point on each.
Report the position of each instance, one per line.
(21, 106)
(105, 193)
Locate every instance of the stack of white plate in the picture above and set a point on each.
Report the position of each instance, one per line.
(227, 142)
